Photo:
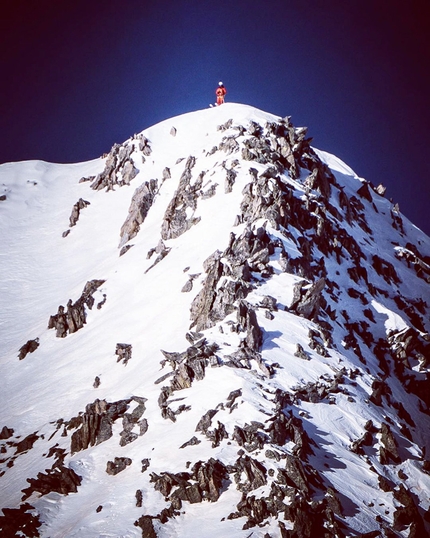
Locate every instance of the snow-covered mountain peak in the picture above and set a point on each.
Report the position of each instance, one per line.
(212, 330)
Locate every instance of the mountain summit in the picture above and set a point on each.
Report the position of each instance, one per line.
(213, 330)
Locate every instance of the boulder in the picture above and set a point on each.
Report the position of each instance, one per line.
(123, 352)
(74, 217)
(29, 347)
(117, 466)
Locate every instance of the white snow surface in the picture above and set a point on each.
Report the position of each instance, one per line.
(40, 269)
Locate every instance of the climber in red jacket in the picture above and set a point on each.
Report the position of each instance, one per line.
(220, 92)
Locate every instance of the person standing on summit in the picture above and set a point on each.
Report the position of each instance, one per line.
(220, 92)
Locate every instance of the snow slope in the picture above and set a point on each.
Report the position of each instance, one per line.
(365, 307)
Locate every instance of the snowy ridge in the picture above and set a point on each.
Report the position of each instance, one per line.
(242, 348)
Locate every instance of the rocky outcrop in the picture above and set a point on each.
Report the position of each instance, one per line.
(176, 218)
(145, 523)
(204, 482)
(309, 299)
(119, 166)
(141, 203)
(389, 451)
(27, 443)
(74, 318)
(60, 479)
(187, 366)
(202, 306)
(76, 211)
(22, 521)
(95, 424)
(408, 514)
(250, 252)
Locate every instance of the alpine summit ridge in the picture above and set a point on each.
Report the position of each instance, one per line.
(213, 330)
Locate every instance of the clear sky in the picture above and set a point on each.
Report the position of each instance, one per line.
(78, 76)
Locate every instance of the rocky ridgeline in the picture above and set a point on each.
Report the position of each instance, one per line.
(120, 168)
(294, 217)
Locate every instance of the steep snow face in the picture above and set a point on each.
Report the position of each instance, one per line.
(213, 330)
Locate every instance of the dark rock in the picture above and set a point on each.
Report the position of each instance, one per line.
(6, 433)
(96, 423)
(59, 479)
(118, 465)
(123, 352)
(74, 217)
(29, 347)
(249, 437)
(176, 221)
(27, 443)
(75, 317)
(247, 320)
(210, 476)
(364, 192)
(142, 200)
(20, 522)
(254, 471)
(193, 441)
(269, 302)
(206, 421)
(119, 166)
(379, 389)
(147, 526)
(231, 398)
(385, 269)
(127, 437)
(408, 514)
(294, 475)
(162, 252)
(333, 502)
(385, 484)
(201, 307)
(402, 475)
(389, 451)
(365, 440)
(311, 300)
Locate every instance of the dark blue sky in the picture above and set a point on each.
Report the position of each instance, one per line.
(78, 76)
